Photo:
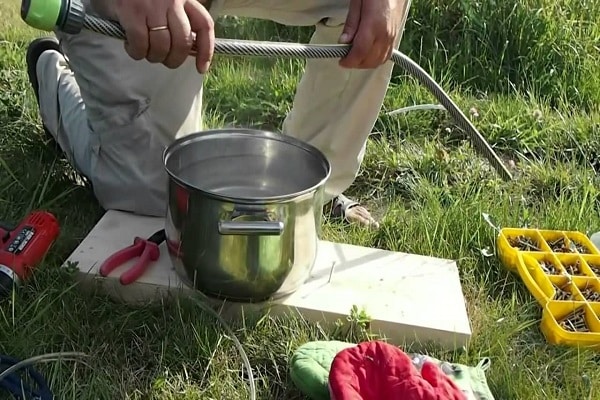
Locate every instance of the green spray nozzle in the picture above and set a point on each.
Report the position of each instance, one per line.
(47, 15)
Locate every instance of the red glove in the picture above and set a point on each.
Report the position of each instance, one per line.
(432, 384)
(376, 370)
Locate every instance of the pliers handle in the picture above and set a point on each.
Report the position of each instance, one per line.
(146, 249)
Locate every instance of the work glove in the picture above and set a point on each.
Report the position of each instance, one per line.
(470, 379)
(376, 370)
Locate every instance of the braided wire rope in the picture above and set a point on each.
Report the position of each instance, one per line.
(235, 47)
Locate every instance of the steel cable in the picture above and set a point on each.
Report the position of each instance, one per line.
(235, 47)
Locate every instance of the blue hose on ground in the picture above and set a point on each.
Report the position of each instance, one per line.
(14, 383)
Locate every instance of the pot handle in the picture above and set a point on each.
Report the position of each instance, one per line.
(261, 228)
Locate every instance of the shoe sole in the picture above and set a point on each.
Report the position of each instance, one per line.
(34, 51)
(36, 48)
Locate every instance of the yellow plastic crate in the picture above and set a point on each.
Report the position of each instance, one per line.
(512, 241)
(558, 331)
(561, 270)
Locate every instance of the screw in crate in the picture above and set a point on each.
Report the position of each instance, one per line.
(579, 247)
(573, 268)
(591, 294)
(595, 268)
(524, 243)
(562, 294)
(560, 246)
(575, 321)
(548, 267)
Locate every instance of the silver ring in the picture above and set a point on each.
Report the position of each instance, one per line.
(158, 28)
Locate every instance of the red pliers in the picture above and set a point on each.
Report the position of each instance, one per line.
(146, 249)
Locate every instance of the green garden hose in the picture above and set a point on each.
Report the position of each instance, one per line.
(69, 16)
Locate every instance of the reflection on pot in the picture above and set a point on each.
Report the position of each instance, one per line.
(239, 245)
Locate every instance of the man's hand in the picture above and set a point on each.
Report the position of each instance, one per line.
(163, 31)
(372, 27)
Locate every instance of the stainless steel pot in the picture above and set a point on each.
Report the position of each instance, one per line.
(244, 213)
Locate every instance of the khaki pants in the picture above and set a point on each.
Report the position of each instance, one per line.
(113, 116)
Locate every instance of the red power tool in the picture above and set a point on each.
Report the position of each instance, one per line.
(22, 248)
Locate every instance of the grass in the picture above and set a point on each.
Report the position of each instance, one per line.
(528, 70)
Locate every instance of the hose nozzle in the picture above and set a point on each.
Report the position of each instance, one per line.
(47, 15)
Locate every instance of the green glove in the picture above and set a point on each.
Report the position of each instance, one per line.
(310, 365)
(471, 380)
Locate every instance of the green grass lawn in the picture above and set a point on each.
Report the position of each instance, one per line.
(528, 72)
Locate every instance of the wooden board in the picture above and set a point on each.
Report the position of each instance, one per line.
(408, 297)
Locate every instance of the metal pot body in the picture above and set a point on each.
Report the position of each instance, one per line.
(244, 213)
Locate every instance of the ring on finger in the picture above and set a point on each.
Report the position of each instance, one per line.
(158, 28)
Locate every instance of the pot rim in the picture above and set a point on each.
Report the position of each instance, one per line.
(259, 133)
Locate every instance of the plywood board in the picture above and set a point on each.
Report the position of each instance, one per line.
(409, 297)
